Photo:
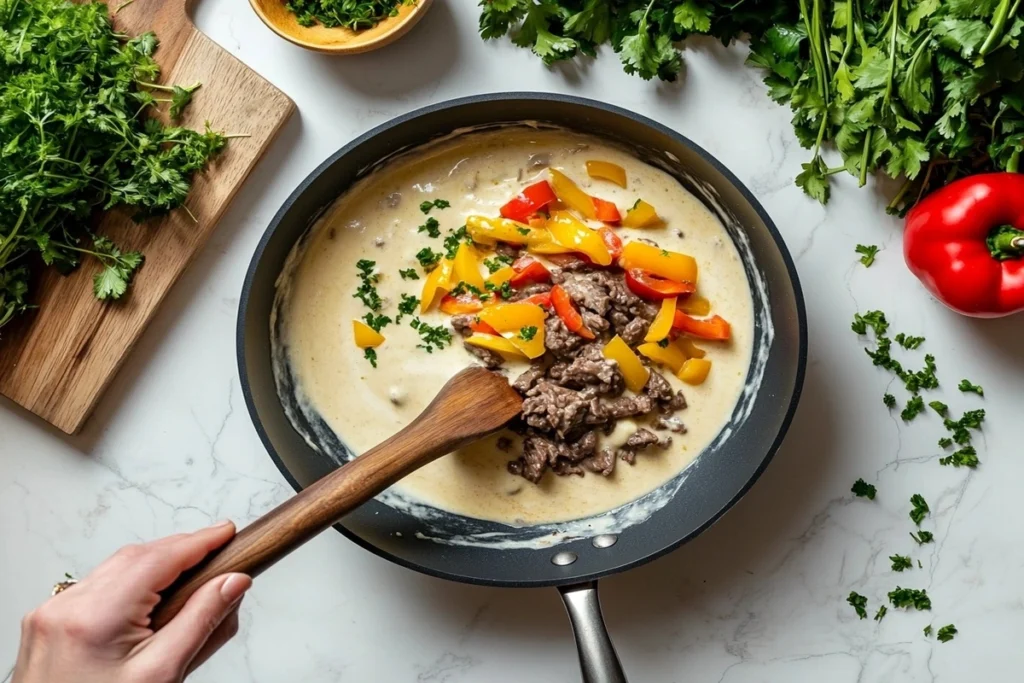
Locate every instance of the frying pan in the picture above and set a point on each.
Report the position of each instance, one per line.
(574, 555)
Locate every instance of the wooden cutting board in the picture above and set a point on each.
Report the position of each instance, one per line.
(57, 360)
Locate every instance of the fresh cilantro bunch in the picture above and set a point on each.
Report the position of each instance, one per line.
(643, 32)
(76, 138)
(925, 91)
(356, 15)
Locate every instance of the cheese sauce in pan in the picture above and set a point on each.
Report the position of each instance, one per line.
(378, 220)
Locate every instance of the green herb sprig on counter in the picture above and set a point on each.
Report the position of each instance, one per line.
(919, 509)
(859, 604)
(900, 562)
(922, 537)
(73, 145)
(966, 387)
(910, 597)
(880, 614)
(946, 633)
(868, 253)
(357, 15)
(862, 489)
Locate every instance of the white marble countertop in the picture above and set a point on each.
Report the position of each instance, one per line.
(759, 597)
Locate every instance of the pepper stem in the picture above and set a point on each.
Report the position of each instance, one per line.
(1006, 242)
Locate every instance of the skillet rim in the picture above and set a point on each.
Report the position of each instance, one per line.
(382, 129)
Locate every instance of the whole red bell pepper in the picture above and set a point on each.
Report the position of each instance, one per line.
(649, 286)
(965, 242)
(528, 202)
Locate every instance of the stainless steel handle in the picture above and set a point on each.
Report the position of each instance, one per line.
(598, 661)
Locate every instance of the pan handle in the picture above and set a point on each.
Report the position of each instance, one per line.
(598, 661)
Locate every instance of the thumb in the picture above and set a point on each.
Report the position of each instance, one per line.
(178, 643)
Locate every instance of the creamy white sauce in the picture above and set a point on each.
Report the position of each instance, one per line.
(477, 173)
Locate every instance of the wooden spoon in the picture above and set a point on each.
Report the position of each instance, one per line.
(473, 404)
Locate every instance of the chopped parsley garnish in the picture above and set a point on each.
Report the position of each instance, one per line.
(868, 252)
(527, 333)
(939, 407)
(889, 400)
(908, 342)
(862, 489)
(946, 633)
(454, 239)
(880, 614)
(497, 263)
(367, 291)
(407, 306)
(965, 457)
(431, 227)
(426, 206)
(504, 291)
(920, 508)
(922, 537)
(465, 288)
(873, 319)
(859, 603)
(928, 631)
(409, 274)
(664, 343)
(965, 386)
(431, 336)
(427, 257)
(914, 407)
(900, 562)
(523, 231)
(370, 355)
(376, 322)
(945, 442)
(959, 429)
(910, 597)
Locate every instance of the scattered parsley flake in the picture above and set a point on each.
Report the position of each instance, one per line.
(947, 633)
(965, 457)
(527, 333)
(873, 319)
(928, 631)
(939, 407)
(497, 263)
(426, 206)
(504, 291)
(431, 336)
(376, 322)
(427, 257)
(409, 274)
(908, 342)
(960, 429)
(922, 537)
(862, 489)
(910, 597)
(880, 614)
(370, 355)
(868, 252)
(367, 291)
(889, 400)
(407, 306)
(945, 442)
(664, 343)
(431, 227)
(859, 603)
(920, 508)
(900, 562)
(914, 407)
(966, 387)
(454, 239)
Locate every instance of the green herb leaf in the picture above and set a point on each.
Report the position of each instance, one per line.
(914, 407)
(880, 614)
(370, 355)
(527, 333)
(920, 508)
(431, 227)
(118, 267)
(939, 407)
(868, 252)
(431, 336)
(367, 291)
(947, 633)
(454, 239)
(900, 562)
(862, 489)
(428, 258)
(497, 263)
(910, 597)
(356, 15)
(965, 457)
(908, 342)
(409, 274)
(859, 604)
(966, 387)
(928, 631)
(922, 537)
(873, 319)
(376, 322)
(427, 205)
(889, 400)
(407, 306)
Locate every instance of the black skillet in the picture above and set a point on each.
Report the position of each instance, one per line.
(692, 501)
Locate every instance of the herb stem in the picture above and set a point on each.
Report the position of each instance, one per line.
(864, 157)
(1003, 12)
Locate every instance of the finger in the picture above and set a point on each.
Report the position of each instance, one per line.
(178, 643)
(221, 635)
(174, 555)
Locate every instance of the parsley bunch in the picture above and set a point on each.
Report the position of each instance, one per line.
(356, 15)
(76, 138)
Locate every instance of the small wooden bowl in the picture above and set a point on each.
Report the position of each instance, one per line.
(338, 41)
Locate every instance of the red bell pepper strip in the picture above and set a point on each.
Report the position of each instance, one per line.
(606, 211)
(528, 202)
(528, 270)
(463, 303)
(649, 286)
(568, 313)
(543, 300)
(965, 243)
(612, 241)
(714, 328)
(481, 327)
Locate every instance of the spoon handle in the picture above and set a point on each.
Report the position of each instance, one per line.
(454, 419)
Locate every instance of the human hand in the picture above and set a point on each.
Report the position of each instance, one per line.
(97, 631)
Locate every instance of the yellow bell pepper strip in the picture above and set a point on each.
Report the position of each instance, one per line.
(689, 348)
(606, 170)
(662, 324)
(366, 337)
(438, 283)
(497, 344)
(571, 232)
(642, 215)
(667, 264)
(543, 242)
(670, 356)
(695, 305)
(714, 328)
(630, 365)
(571, 195)
(466, 267)
(695, 370)
(521, 323)
(489, 231)
(565, 310)
(501, 276)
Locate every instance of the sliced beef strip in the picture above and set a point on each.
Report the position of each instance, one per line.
(672, 424)
(529, 378)
(587, 291)
(603, 410)
(551, 408)
(595, 323)
(602, 462)
(559, 340)
(634, 331)
(567, 263)
(490, 359)
(509, 250)
(540, 453)
(461, 323)
(660, 390)
(589, 368)
(530, 290)
(622, 298)
(640, 440)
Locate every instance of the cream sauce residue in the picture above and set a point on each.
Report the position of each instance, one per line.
(379, 219)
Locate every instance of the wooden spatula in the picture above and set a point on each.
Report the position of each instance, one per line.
(473, 404)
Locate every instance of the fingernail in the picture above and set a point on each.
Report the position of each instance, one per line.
(223, 522)
(235, 587)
